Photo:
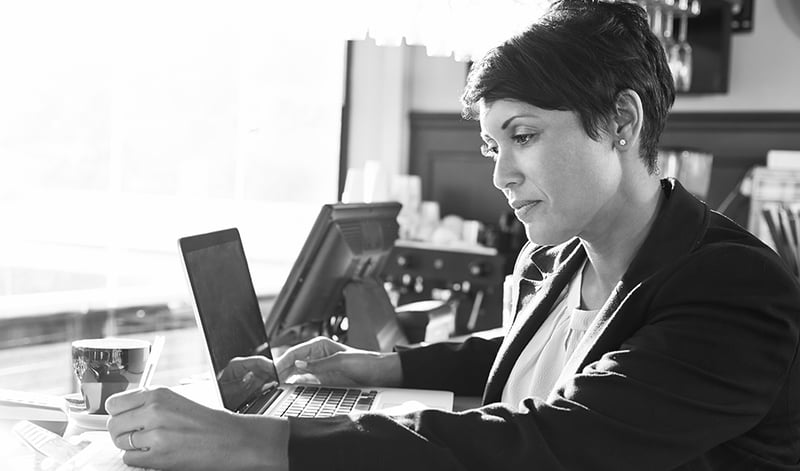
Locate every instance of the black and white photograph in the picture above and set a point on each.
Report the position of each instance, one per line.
(473, 235)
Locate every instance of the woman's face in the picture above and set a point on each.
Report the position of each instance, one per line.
(560, 182)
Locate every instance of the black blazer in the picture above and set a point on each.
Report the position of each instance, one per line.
(691, 365)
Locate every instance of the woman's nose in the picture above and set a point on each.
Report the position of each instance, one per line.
(505, 174)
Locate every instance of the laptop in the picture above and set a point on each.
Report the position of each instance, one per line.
(228, 313)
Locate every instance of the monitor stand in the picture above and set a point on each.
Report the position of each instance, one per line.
(372, 321)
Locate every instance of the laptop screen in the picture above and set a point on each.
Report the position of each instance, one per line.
(225, 303)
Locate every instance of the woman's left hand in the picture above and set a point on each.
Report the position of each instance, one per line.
(161, 429)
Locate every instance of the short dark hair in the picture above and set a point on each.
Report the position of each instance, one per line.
(579, 57)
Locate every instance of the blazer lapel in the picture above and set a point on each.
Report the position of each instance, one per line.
(529, 319)
(598, 326)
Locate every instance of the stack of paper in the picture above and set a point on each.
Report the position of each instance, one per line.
(783, 159)
(20, 405)
(92, 451)
(100, 455)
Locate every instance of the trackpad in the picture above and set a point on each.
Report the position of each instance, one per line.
(403, 408)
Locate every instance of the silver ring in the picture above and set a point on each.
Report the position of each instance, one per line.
(130, 439)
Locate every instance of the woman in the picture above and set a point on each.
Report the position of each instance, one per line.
(651, 332)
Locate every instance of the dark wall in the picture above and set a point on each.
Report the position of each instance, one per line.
(444, 151)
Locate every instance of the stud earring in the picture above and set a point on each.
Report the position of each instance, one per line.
(622, 142)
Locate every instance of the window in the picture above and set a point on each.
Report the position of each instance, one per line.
(126, 125)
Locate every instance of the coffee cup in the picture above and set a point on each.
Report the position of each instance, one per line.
(107, 366)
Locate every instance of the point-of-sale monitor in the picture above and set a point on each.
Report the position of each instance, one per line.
(348, 242)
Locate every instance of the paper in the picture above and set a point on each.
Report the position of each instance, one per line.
(783, 159)
(100, 455)
(21, 405)
(46, 442)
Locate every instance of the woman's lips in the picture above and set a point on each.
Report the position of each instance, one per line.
(522, 210)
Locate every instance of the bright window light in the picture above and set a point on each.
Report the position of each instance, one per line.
(126, 125)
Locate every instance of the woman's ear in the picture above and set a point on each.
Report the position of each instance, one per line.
(627, 122)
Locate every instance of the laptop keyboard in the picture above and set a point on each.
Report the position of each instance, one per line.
(317, 401)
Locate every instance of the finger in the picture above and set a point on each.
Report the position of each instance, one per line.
(139, 458)
(143, 455)
(285, 363)
(154, 449)
(133, 419)
(295, 371)
(306, 378)
(319, 347)
(314, 365)
(124, 401)
(134, 440)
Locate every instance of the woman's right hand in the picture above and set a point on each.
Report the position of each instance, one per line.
(331, 363)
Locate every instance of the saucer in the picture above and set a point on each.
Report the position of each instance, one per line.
(88, 421)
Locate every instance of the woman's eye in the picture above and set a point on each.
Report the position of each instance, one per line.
(523, 138)
(489, 151)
